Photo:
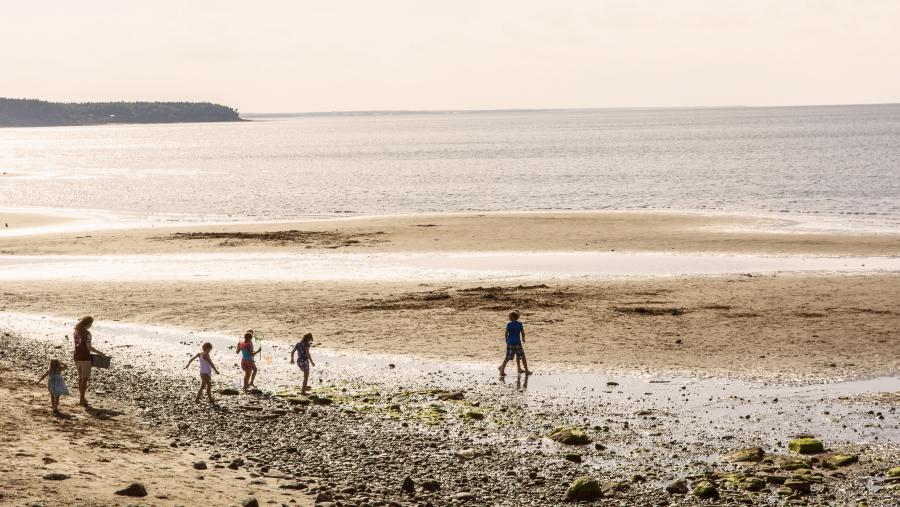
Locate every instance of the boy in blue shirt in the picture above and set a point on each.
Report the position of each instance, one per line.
(515, 335)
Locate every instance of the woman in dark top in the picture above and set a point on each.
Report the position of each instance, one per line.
(82, 355)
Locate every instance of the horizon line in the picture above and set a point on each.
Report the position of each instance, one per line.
(376, 112)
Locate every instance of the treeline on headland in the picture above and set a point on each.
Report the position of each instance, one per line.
(39, 113)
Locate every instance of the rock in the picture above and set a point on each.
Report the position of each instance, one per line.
(608, 488)
(229, 392)
(56, 477)
(236, 463)
(705, 489)
(47, 461)
(473, 415)
(250, 502)
(798, 485)
(753, 484)
(408, 485)
(612, 384)
(794, 464)
(750, 454)
(583, 489)
(569, 436)
(135, 489)
(842, 460)
(806, 446)
(678, 487)
(894, 472)
(293, 485)
(464, 496)
(323, 497)
(574, 457)
(431, 485)
(467, 453)
(454, 395)
(200, 465)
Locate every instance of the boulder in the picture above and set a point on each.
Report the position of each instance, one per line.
(705, 489)
(894, 472)
(200, 465)
(431, 485)
(454, 395)
(569, 435)
(135, 489)
(574, 457)
(798, 485)
(229, 392)
(806, 446)
(56, 477)
(250, 502)
(583, 489)
(750, 454)
(842, 460)
(678, 487)
(408, 486)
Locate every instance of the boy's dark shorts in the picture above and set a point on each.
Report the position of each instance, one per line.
(514, 350)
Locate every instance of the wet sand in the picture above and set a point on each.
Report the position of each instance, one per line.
(658, 371)
(16, 220)
(794, 328)
(496, 232)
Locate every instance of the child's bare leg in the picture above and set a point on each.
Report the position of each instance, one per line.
(253, 377)
(246, 379)
(519, 365)
(199, 392)
(503, 367)
(525, 364)
(305, 381)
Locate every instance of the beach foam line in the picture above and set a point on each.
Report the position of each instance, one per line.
(432, 266)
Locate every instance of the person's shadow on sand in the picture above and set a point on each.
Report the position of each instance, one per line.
(102, 413)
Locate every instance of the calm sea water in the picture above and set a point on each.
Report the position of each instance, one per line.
(827, 161)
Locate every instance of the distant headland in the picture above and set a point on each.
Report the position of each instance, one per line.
(39, 113)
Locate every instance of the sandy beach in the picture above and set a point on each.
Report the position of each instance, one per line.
(720, 336)
(83, 457)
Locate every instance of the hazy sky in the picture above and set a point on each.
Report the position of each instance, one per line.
(457, 54)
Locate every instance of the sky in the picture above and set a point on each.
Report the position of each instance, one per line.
(339, 55)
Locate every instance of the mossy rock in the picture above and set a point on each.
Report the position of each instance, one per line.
(806, 446)
(569, 436)
(754, 484)
(751, 454)
(583, 489)
(705, 489)
(842, 460)
(472, 415)
(792, 464)
(894, 472)
(297, 400)
(574, 457)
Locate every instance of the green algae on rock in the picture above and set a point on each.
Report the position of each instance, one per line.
(806, 446)
(841, 460)
(583, 489)
(569, 435)
(894, 472)
(750, 454)
(705, 489)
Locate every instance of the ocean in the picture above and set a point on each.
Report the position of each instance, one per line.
(829, 161)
